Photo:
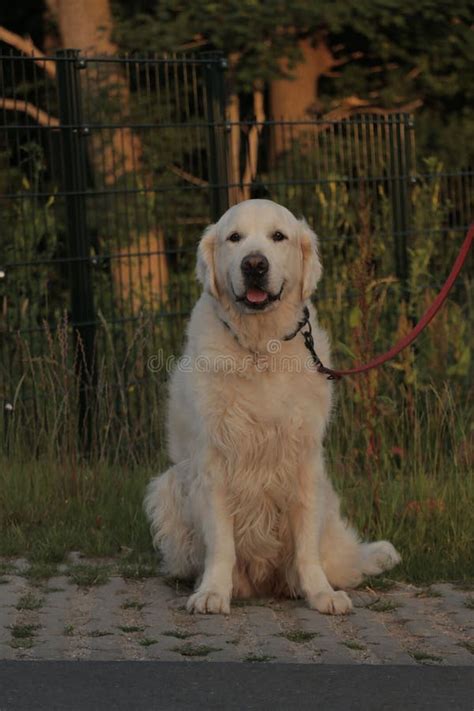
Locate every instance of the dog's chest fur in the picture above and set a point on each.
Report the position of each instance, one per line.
(264, 435)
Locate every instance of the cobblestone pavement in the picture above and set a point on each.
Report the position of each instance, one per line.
(146, 619)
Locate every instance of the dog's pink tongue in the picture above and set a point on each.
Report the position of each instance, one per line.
(256, 296)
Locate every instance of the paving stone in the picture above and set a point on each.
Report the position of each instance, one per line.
(421, 629)
(418, 614)
(326, 645)
(265, 627)
(106, 642)
(158, 617)
(268, 630)
(429, 621)
(454, 601)
(372, 632)
(10, 592)
(53, 642)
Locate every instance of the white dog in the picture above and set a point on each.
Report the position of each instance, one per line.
(247, 508)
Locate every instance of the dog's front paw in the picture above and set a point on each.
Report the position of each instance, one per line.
(331, 603)
(205, 600)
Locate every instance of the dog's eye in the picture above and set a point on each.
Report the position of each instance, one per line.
(278, 237)
(234, 237)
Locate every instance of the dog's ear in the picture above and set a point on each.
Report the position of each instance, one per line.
(205, 270)
(312, 268)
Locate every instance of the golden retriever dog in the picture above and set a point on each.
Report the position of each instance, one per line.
(247, 509)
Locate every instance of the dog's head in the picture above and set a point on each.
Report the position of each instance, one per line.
(257, 255)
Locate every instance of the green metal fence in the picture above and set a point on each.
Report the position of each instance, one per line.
(110, 169)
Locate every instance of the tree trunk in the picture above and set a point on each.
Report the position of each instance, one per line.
(87, 25)
(233, 116)
(84, 25)
(253, 141)
(296, 99)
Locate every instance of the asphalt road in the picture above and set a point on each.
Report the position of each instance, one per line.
(36, 685)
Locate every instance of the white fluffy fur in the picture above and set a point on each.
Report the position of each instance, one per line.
(246, 508)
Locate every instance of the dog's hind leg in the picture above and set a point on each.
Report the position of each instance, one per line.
(341, 553)
(166, 507)
(378, 556)
(346, 560)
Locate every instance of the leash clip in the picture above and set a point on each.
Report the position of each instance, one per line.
(320, 367)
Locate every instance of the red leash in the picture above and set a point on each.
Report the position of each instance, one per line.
(416, 330)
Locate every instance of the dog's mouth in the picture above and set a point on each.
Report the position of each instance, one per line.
(258, 299)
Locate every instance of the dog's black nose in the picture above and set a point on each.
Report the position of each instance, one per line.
(254, 265)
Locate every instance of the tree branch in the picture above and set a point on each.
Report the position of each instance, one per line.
(343, 112)
(196, 43)
(25, 45)
(413, 73)
(37, 114)
(189, 177)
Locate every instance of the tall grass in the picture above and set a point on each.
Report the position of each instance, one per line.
(126, 400)
(416, 488)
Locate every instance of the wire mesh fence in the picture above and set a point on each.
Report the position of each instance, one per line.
(109, 170)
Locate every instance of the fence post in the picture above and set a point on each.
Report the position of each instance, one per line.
(73, 156)
(217, 136)
(401, 177)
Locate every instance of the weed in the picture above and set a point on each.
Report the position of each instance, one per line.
(467, 644)
(86, 576)
(190, 650)
(100, 633)
(130, 628)
(298, 636)
(132, 605)
(38, 572)
(469, 603)
(383, 606)
(420, 656)
(25, 643)
(136, 570)
(179, 634)
(29, 601)
(380, 584)
(7, 568)
(147, 642)
(352, 644)
(258, 657)
(251, 602)
(68, 630)
(23, 631)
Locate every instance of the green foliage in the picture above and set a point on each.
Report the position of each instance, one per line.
(389, 53)
(242, 27)
(29, 229)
